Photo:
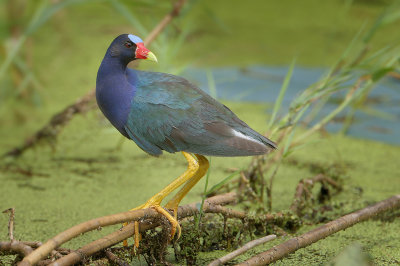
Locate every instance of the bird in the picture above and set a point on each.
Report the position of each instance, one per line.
(163, 112)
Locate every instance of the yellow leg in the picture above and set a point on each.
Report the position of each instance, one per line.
(155, 201)
(203, 167)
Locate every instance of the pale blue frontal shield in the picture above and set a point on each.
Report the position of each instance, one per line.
(134, 38)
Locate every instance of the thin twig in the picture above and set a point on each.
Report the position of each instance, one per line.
(114, 259)
(270, 184)
(242, 250)
(303, 188)
(165, 21)
(11, 211)
(56, 124)
(281, 250)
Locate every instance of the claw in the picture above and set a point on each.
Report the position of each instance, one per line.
(125, 243)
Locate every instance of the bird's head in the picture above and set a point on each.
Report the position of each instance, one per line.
(130, 47)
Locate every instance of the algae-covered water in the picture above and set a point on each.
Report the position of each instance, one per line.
(87, 173)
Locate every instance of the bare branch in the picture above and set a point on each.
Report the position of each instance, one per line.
(67, 235)
(99, 244)
(15, 247)
(56, 124)
(117, 236)
(128, 231)
(242, 250)
(165, 21)
(281, 250)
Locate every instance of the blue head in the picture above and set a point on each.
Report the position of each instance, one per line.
(114, 91)
(128, 47)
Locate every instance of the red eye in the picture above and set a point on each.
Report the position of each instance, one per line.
(128, 44)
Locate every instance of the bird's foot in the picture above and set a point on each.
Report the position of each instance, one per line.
(176, 228)
(172, 219)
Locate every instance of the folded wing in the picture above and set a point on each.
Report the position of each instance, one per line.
(169, 113)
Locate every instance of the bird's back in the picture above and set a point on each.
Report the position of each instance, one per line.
(169, 113)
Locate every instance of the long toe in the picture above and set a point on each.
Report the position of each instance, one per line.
(175, 226)
(137, 233)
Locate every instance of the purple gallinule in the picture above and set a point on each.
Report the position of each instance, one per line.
(160, 112)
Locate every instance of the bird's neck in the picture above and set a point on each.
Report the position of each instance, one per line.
(113, 91)
(111, 66)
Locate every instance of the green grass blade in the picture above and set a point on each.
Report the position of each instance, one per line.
(203, 198)
(223, 182)
(288, 142)
(278, 103)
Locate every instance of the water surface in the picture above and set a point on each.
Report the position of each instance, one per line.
(263, 83)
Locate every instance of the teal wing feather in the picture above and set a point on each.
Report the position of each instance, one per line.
(169, 113)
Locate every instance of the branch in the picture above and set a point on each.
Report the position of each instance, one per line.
(128, 231)
(114, 259)
(10, 223)
(56, 124)
(99, 244)
(67, 235)
(117, 236)
(242, 250)
(15, 246)
(83, 104)
(281, 250)
(165, 21)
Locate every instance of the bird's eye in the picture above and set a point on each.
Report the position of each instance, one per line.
(128, 44)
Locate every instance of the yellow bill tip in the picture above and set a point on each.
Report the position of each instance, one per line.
(150, 56)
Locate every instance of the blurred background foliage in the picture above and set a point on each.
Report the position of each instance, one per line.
(53, 38)
(51, 49)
